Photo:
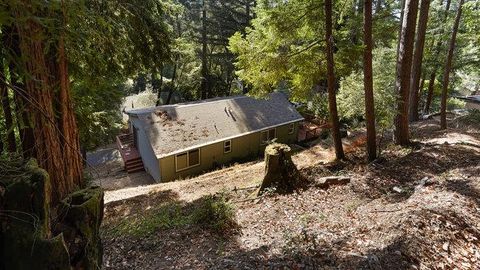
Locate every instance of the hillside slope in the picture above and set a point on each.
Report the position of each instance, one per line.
(416, 208)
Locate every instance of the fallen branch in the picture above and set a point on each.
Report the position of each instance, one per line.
(326, 182)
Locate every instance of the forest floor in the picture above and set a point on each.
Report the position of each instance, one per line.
(414, 208)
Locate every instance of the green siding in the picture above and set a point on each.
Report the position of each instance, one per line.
(210, 155)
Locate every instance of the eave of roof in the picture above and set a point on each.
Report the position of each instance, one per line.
(473, 99)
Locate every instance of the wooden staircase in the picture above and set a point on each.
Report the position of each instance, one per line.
(130, 155)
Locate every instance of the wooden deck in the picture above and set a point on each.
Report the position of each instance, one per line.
(311, 129)
(130, 155)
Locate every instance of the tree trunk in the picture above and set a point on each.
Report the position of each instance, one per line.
(67, 123)
(7, 112)
(172, 84)
(160, 88)
(420, 89)
(448, 66)
(404, 66)
(56, 138)
(433, 75)
(280, 171)
(332, 99)
(16, 85)
(204, 83)
(402, 11)
(428, 102)
(368, 82)
(417, 60)
(378, 6)
(24, 122)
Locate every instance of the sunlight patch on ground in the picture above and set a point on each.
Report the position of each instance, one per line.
(455, 138)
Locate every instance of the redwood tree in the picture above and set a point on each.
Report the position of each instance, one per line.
(448, 66)
(368, 81)
(332, 99)
(48, 93)
(404, 66)
(417, 60)
(433, 75)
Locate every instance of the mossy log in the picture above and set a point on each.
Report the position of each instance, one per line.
(280, 171)
(25, 235)
(27, 238)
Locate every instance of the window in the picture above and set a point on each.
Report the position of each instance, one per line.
(227, 146)
(291, 128)
(187, 160)
(268, 135)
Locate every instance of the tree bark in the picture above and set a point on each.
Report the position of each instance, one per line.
(431, 84)
(417, 60)
(24, 122)
(378, 6)
(204, 71)
(16, 84)
(332, 99)
(404, 66)
(368, 82)
(402, 11)
(433, 75)
(280, 171)
(160, 88)
(7, 112)
(56, 138)
(67, 123)
(448, 66)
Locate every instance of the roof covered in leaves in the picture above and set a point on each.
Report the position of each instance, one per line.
(473, 99)
(176, 128)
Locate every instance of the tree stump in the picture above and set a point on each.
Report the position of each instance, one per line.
(80, 217)
(26, 241)
(280, 171)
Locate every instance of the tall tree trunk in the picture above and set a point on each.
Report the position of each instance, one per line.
(420, 89)
(67, 122)
(378, 6)
(402, 13)
(438, 48)
(431, 85)
(404, 67)
(448, 66)
(332, 99)
(173, 82)
(7, 112)
(160, 88)
(368, 81)
(62, 164)
(417, 60)
(204, 83)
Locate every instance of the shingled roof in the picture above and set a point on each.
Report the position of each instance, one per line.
(176, 128)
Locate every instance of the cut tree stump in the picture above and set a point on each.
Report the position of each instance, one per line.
(280, 171)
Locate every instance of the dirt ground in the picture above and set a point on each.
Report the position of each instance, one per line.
(414, 208)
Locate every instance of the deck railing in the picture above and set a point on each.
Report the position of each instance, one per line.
(124, 141)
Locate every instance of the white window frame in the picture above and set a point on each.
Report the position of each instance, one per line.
(188, 160)
(229, 146)
(268, 132)
(291, 128)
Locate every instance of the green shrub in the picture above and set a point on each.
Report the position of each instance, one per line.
(215, 213)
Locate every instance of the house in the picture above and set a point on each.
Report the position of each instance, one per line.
(472, 102)
(176, 141)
